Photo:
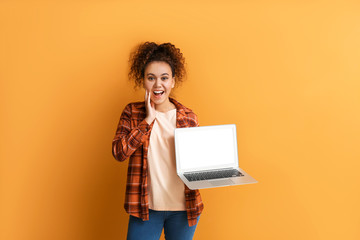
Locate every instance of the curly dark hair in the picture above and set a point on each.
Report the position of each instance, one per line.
(148, 52)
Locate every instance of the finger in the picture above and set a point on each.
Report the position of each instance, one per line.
(146, 97)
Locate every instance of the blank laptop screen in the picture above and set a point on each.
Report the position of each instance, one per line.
(206, 147)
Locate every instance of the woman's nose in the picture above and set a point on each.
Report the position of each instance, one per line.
(157, 82)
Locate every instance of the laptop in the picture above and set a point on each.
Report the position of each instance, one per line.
(207, 157)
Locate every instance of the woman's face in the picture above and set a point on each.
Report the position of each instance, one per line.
(158, 81)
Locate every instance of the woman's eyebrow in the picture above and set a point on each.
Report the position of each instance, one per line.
(155, 75)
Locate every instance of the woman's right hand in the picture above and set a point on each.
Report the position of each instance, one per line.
(150, 108)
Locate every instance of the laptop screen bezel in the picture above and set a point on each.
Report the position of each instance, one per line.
(234, 164)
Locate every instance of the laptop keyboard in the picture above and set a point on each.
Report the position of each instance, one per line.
(198, 176)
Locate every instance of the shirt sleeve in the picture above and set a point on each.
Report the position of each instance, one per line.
(192, 119)
(196, 120)
(127, 140)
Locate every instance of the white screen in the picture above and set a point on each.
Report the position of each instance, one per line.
(204, 147)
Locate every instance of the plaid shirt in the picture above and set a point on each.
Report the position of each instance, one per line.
(132, 140)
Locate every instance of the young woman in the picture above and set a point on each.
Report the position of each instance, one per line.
(156, 198)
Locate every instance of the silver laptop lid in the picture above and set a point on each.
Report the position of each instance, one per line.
(206, 147)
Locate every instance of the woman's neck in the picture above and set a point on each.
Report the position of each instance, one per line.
(165, 106)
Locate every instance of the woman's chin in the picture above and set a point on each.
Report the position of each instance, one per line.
(158, 101)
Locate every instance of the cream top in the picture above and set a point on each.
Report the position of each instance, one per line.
(166, 190)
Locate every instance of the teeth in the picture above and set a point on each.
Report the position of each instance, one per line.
(157, 92)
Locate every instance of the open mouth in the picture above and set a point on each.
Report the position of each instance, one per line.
(158, 93)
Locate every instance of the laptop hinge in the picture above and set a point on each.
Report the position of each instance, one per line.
(210, 170)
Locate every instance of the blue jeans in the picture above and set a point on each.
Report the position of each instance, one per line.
(174, 223)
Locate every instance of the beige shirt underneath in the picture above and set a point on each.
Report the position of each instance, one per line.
(166, 190)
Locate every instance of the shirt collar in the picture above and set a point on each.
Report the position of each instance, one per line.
(181, 109)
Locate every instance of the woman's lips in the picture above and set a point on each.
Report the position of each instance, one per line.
(158, 94)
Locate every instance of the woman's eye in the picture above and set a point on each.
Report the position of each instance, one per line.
(150, 78)
(164, 78)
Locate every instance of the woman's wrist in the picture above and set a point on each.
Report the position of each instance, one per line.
(149, 120)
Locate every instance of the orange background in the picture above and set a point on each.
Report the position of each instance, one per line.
(285, 72)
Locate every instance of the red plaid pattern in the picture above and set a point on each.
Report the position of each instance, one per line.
(132, 141)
